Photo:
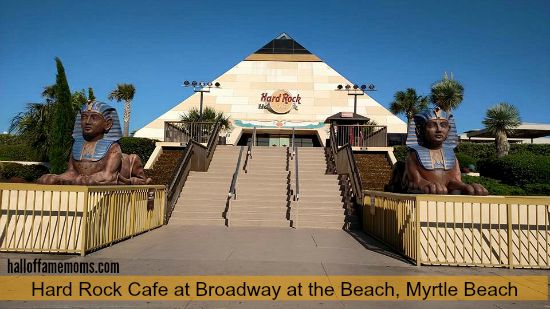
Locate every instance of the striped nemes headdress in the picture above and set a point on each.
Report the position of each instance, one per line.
(423, 153)
(110, 137)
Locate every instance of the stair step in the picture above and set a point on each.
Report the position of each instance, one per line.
(260, 223)
(257, 216)
(197, 198)
(257, 203)
(189, 221)
(318, 225)
(319, 205)
(261, 208)
(314, 212)
(197, 214)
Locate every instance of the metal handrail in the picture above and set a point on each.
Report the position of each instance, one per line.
(297, 183)
(232, 189)
(248, 155)
(182, 168)
(356, 182)
(293, 143)
(350, 165)
(176, 184)
(254, 141)
(185, 131)
(213, 138)
(361, 135)
(297, 193)
(250, 144)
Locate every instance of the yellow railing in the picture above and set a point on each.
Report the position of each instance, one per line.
(75, 219)
(462, 230)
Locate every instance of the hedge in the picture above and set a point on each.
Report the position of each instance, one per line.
(480, 151)
(400, 152)
(494, 186)
(12, 148)
(537, 189)
(143, 147)
(465, 161)
(518, 169)
(9, 139)
(28, 172)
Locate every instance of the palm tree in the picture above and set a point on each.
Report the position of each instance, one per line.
(209, 114)
(501, 119)
(408, 103)
(33, 126)
(447, 93)
(124, 92)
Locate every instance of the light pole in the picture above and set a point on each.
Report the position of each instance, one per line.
(201, 87)
(355, 90)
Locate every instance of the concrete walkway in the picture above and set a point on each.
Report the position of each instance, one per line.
(195, 250)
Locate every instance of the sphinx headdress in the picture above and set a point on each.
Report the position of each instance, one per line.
(110, 137)
(423, 153)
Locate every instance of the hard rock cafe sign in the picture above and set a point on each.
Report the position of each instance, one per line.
(279, 102)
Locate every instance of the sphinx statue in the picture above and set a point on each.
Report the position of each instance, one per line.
(431, 166)
(96, 157)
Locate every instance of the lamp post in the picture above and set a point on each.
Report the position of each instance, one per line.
(355, 90)
(201, 87)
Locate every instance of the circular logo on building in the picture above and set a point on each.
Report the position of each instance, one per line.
(281, 102)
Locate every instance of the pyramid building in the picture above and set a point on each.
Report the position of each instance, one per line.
(279, 87)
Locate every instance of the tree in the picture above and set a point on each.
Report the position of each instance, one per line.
(91, 95)
(78, 99)
(408, 103)
(124, 92)
(209, 114)
(49, 93)
(500, 120)
(62, 124)
(33, 126)
(447, 93)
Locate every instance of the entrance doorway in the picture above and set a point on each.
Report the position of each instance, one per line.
(280, 140)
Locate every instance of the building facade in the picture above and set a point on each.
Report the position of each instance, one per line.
(279, 87)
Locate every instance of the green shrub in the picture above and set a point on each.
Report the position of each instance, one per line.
(476, 151)
(143, 147)
(27, 172)
(400, 152)
(9, 139)
(494, 186)
(480, 151)
(465, 160)
(518, 169)
(537, 189)
(13, 148)
(538, 149)
(18, 152)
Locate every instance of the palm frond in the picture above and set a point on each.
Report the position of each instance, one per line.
(502, 117)
(447, 93)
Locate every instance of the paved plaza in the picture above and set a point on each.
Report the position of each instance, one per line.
(196, 250)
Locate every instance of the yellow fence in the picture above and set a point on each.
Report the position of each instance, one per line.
(462, 230)
(75, 219)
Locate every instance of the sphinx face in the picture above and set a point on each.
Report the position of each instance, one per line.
(435, 133)
(94, 125)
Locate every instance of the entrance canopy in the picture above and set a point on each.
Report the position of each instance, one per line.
(347, 118)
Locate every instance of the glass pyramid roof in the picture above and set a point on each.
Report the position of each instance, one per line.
(283, 44)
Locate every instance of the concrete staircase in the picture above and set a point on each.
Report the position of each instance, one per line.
(321, 204)
(204, 196)
(262, 192)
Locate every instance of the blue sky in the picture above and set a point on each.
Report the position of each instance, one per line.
(499, 50)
